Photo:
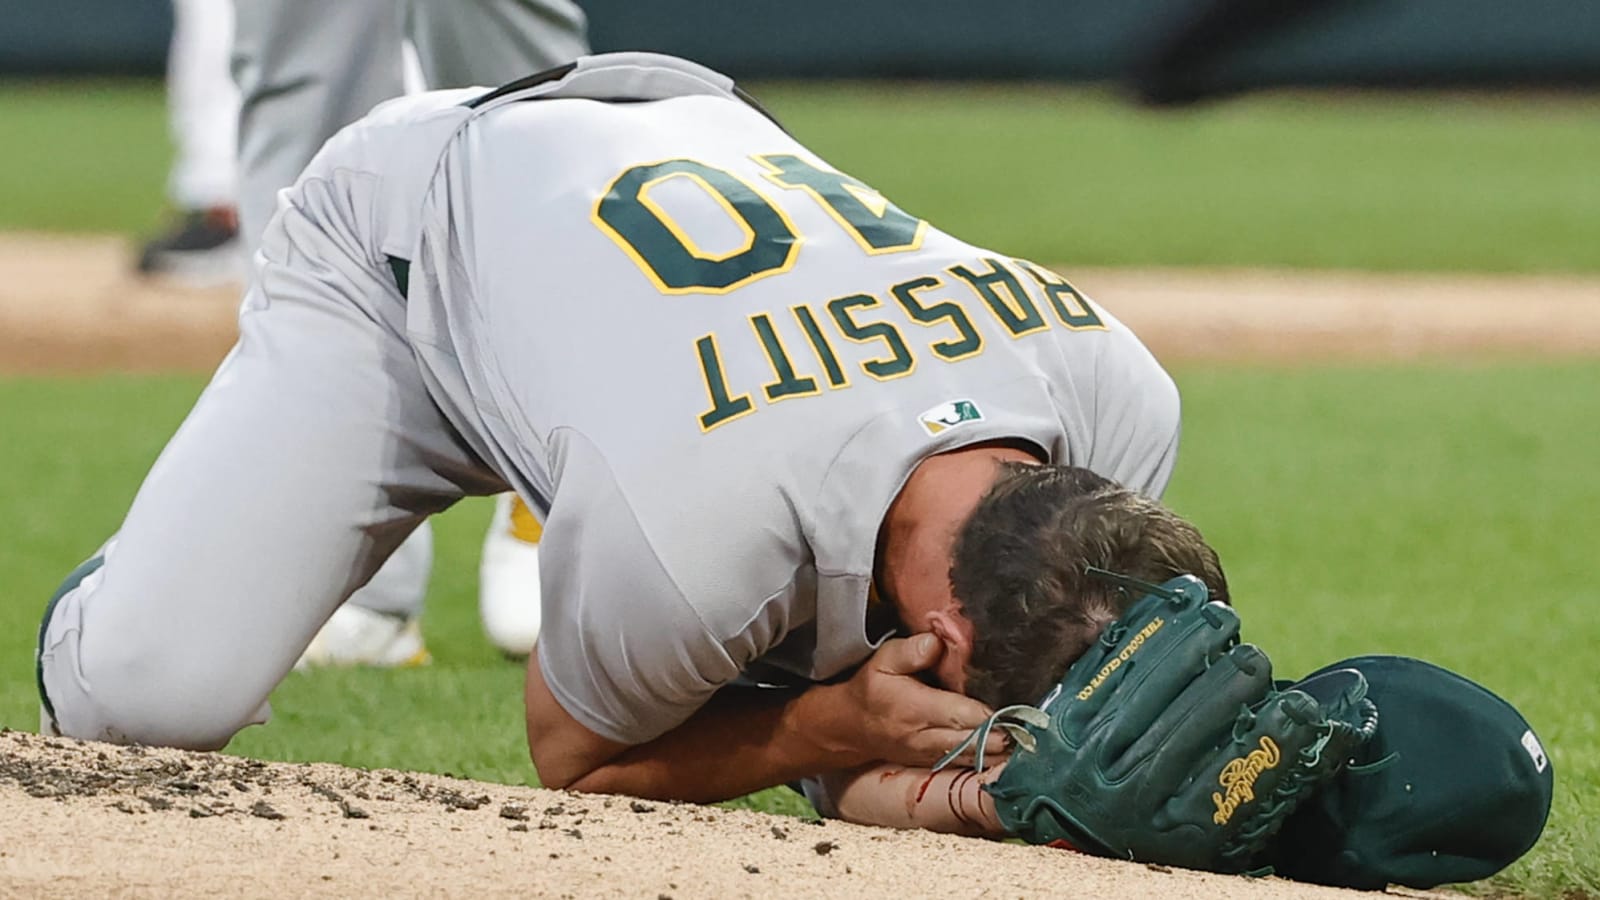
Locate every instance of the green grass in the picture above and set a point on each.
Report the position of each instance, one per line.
(1445, 513)
(1379, 182)
(1058, 174)
(82, 156)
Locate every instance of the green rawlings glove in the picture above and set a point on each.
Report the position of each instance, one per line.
(1167, 742)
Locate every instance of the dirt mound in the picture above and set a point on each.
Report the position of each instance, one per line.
(72, 304)
(87, 819)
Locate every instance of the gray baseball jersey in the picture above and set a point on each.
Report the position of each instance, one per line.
(717, 358)
(712, 358)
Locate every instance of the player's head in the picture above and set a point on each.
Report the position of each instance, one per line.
(1018, 571)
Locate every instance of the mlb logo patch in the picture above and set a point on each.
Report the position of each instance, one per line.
(1535, 750)
(946, 416)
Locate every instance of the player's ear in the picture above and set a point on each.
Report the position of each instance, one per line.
(954, 632)
(952, 629)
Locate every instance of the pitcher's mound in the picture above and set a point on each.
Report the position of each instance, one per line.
(96, 820)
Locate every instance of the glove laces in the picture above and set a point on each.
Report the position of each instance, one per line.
(1012, 720)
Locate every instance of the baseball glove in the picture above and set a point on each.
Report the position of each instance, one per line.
(1167, 742)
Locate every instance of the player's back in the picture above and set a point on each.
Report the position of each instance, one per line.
(682, 272)
(752, 347)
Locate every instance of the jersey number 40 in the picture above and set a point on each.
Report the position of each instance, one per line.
(671, 259)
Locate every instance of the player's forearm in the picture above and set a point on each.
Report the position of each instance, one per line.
(951, 800)
(742, 741)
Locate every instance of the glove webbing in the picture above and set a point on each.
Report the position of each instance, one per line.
(1259, 827)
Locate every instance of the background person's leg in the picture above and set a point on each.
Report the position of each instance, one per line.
(491, 42)
(305, 69)
(201, 244)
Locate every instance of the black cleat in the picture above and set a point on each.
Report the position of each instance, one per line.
(201, 247)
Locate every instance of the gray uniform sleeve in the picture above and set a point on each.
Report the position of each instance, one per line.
(620, 648)
(1136, 416)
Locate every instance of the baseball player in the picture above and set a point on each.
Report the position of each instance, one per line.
(306, 68)
(818, 479)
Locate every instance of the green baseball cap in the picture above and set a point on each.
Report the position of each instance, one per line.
(1454, 786)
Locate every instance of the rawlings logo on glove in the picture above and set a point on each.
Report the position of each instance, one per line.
(1239, 779)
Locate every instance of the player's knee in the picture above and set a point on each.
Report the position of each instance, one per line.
(134, 697)
(118, 696)
(98, 684)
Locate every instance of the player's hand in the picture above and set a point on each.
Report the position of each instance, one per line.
(893, 716)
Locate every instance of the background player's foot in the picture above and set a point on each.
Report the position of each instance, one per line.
(378, 625)
(508, 577)
(357, 636)
(200, 247)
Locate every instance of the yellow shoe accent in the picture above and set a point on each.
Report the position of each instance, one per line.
(525, 526)
(356, 636)
(418, 657)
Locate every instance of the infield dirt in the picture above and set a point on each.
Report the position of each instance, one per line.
(74, 305)
(95, 820)
(81, 819)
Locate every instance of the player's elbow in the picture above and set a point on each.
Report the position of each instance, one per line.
(563, 751)
(558, 771)
(556, 756)
(553, 779)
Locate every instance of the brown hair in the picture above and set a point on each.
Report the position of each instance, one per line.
(1018, 571)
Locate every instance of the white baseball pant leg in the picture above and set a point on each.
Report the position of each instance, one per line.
(202, 106)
